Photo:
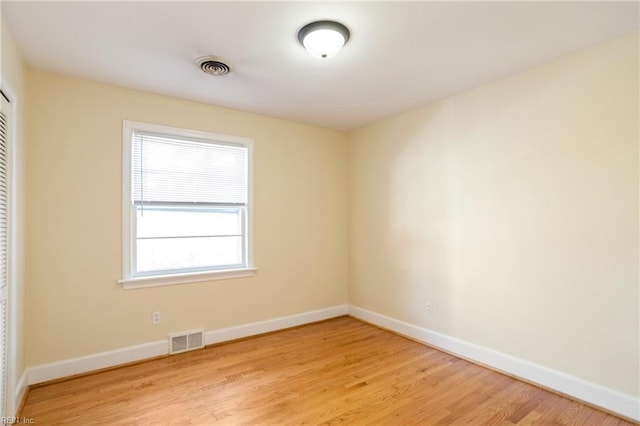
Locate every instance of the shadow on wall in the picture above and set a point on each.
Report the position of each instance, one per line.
(419, 222)
(458, 202)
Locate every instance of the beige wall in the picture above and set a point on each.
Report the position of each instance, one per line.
(74, 245)
(12, 72)
(513, 208)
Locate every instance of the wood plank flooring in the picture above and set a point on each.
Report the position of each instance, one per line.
(340, 371)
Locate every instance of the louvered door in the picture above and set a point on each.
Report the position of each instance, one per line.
(4, 139)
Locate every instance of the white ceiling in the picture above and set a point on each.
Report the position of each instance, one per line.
(401, 54)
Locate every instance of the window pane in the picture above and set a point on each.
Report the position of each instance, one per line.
(192, 222)
(188, 253)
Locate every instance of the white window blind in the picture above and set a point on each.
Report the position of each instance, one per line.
(169, 170)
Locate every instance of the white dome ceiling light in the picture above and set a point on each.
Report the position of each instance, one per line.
(323, 39)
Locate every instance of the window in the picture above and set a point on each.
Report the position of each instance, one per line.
(186, 206)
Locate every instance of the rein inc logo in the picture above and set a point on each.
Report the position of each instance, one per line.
(17, 420)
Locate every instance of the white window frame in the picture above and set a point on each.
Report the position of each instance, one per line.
(129, 281)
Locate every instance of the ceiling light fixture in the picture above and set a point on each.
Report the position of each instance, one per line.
(323, 39)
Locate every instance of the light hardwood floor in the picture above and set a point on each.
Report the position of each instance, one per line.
(338, 371)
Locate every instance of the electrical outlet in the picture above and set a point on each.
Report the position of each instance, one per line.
(155, 317)
(429, 308)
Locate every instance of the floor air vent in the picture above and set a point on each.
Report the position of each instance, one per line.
(186, 341)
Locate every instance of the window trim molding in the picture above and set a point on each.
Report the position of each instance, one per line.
(130, 282)
(185, 278)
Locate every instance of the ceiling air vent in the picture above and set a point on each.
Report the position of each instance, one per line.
(211, 65)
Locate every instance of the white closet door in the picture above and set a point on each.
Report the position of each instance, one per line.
(4, 141)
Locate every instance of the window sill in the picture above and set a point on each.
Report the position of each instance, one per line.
(194, 277)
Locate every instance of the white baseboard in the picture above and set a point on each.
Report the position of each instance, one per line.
(84, 364)
(57, 370)
(254, 328)
(21, 388)
(597, 395)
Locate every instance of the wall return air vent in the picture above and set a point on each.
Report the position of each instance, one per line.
(186, 341)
